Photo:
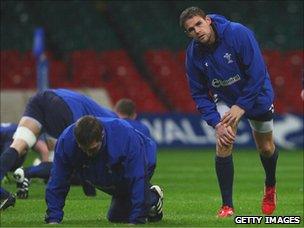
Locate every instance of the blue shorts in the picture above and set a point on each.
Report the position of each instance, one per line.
(267, 116)
(50, 111)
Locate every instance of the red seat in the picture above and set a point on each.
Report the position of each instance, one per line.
(169, 75)
(121, 71)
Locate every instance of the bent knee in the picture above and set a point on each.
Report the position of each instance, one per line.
(224, 151)
(266, 150)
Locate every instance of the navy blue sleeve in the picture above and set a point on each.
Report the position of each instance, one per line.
(58, 185)
(135, 171)
(254, 66)
(200, 94)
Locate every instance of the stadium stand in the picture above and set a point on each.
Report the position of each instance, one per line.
(170, 77)
(84, 49)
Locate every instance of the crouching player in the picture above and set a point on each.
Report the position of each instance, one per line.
(115, 158)
(50, 111)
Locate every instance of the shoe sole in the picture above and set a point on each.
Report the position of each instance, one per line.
(3, 204)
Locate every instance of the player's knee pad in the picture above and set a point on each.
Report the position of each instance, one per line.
(261, 126)
(26, 135)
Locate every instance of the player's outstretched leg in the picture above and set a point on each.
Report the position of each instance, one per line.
(156, 210)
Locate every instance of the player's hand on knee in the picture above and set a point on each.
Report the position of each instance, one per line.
(233, 116)
(224, 134)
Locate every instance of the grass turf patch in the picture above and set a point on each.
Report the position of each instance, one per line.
(192, 195)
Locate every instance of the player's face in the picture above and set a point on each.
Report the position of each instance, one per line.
(200, 29)
(92, 149)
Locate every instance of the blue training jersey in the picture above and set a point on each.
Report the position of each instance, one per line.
(7, 131)
(233, 69)
(126, 159)
(82, 105)
(139, 126)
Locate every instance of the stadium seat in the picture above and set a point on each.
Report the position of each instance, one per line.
(170, 78)
(126, 80)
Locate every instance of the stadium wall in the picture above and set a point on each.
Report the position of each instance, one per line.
(177, 130)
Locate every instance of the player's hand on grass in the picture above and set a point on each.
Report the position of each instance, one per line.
(224, 135)
(233, 116)
(22, 193)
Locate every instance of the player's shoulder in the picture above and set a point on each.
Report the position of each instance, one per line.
(112, 122)
(193, 52)
(238, 31)
(68, 132)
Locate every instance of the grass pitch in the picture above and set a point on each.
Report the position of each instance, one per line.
(192, 196)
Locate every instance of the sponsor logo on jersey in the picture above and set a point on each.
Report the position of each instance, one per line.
(216, 83)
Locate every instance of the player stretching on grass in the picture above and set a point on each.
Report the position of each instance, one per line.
(112, 156)
(50, 111)
(124, 108)
(224, 58)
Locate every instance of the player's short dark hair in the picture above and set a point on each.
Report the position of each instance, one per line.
(126, 107)
(87, 130)
(189, 13)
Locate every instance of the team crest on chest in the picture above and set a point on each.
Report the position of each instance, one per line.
(228, 57)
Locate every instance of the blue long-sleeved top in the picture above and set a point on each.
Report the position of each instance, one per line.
(121, 167)
(233, 69)
(139, 126)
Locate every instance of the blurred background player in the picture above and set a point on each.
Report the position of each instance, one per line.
(115, 158)
(50, 111)
(224, 59)
(126, 109)
(7, 131)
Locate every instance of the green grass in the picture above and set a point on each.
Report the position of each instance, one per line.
(191, 192)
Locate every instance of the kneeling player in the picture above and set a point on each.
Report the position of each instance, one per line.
(115, 158)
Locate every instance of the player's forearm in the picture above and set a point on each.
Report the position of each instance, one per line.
(138, 214)
(54, 213)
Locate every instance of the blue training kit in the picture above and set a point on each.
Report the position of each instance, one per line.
(123, 169)
(233, 68)
(7, 131)
(139, 126)
(56, 109)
